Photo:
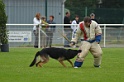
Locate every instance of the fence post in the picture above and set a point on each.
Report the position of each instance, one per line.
(104, 35)
(63, 31)
(39, 36)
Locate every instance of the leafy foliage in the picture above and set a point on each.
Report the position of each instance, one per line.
(107, 11)
(3, 21)
(78, 7)
(95, 3)
(113, 4)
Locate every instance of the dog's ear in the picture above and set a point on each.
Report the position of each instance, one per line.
(79, 51)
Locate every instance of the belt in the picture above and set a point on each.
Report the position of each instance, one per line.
(90, 41)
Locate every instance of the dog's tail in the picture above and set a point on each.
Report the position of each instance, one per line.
(34, 61)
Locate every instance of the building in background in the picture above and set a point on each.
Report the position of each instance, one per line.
(23, 12)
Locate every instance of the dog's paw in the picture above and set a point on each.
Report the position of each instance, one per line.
(39, 64)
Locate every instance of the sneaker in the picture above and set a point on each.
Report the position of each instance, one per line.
(97, 66)
(76, 67)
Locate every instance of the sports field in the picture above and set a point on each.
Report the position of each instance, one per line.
(14, 67)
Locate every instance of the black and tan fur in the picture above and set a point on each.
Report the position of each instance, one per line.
(59, 54)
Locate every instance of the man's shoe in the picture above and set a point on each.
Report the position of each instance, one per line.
(97, 66)
(76, 67)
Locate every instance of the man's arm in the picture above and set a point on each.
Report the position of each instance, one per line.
(45, 23)
(36, 21)
(72, 26)
(98, 32)
(77, 35)
(54, 23)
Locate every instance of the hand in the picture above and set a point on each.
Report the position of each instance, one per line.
(35, 33)
(72, 44)
(47, 26)
(64, 34)
(97, 42)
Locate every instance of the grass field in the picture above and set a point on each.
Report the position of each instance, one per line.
(14, 67)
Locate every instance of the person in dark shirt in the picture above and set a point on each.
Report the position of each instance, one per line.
(67, 29)
(50, 30)
(92, 16)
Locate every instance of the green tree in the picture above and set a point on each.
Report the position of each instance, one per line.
(3, 21)
(107, 11)
(113, 4)
(78, 7)
(81, 3)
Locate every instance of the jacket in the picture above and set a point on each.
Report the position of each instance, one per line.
(92, 33)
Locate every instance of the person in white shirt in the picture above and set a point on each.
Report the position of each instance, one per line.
(36, 20)
(74, 27)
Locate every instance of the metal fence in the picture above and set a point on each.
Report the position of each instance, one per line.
(21, 35)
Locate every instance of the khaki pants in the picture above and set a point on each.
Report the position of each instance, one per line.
(95, 50)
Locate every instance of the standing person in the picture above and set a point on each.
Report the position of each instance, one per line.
(67, 29)
(44, 37)
(92, 16)
(90, 35)
(50, 30)
(37, 20)
(74, 27)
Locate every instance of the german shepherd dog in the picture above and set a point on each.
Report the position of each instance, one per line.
(59, 54)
